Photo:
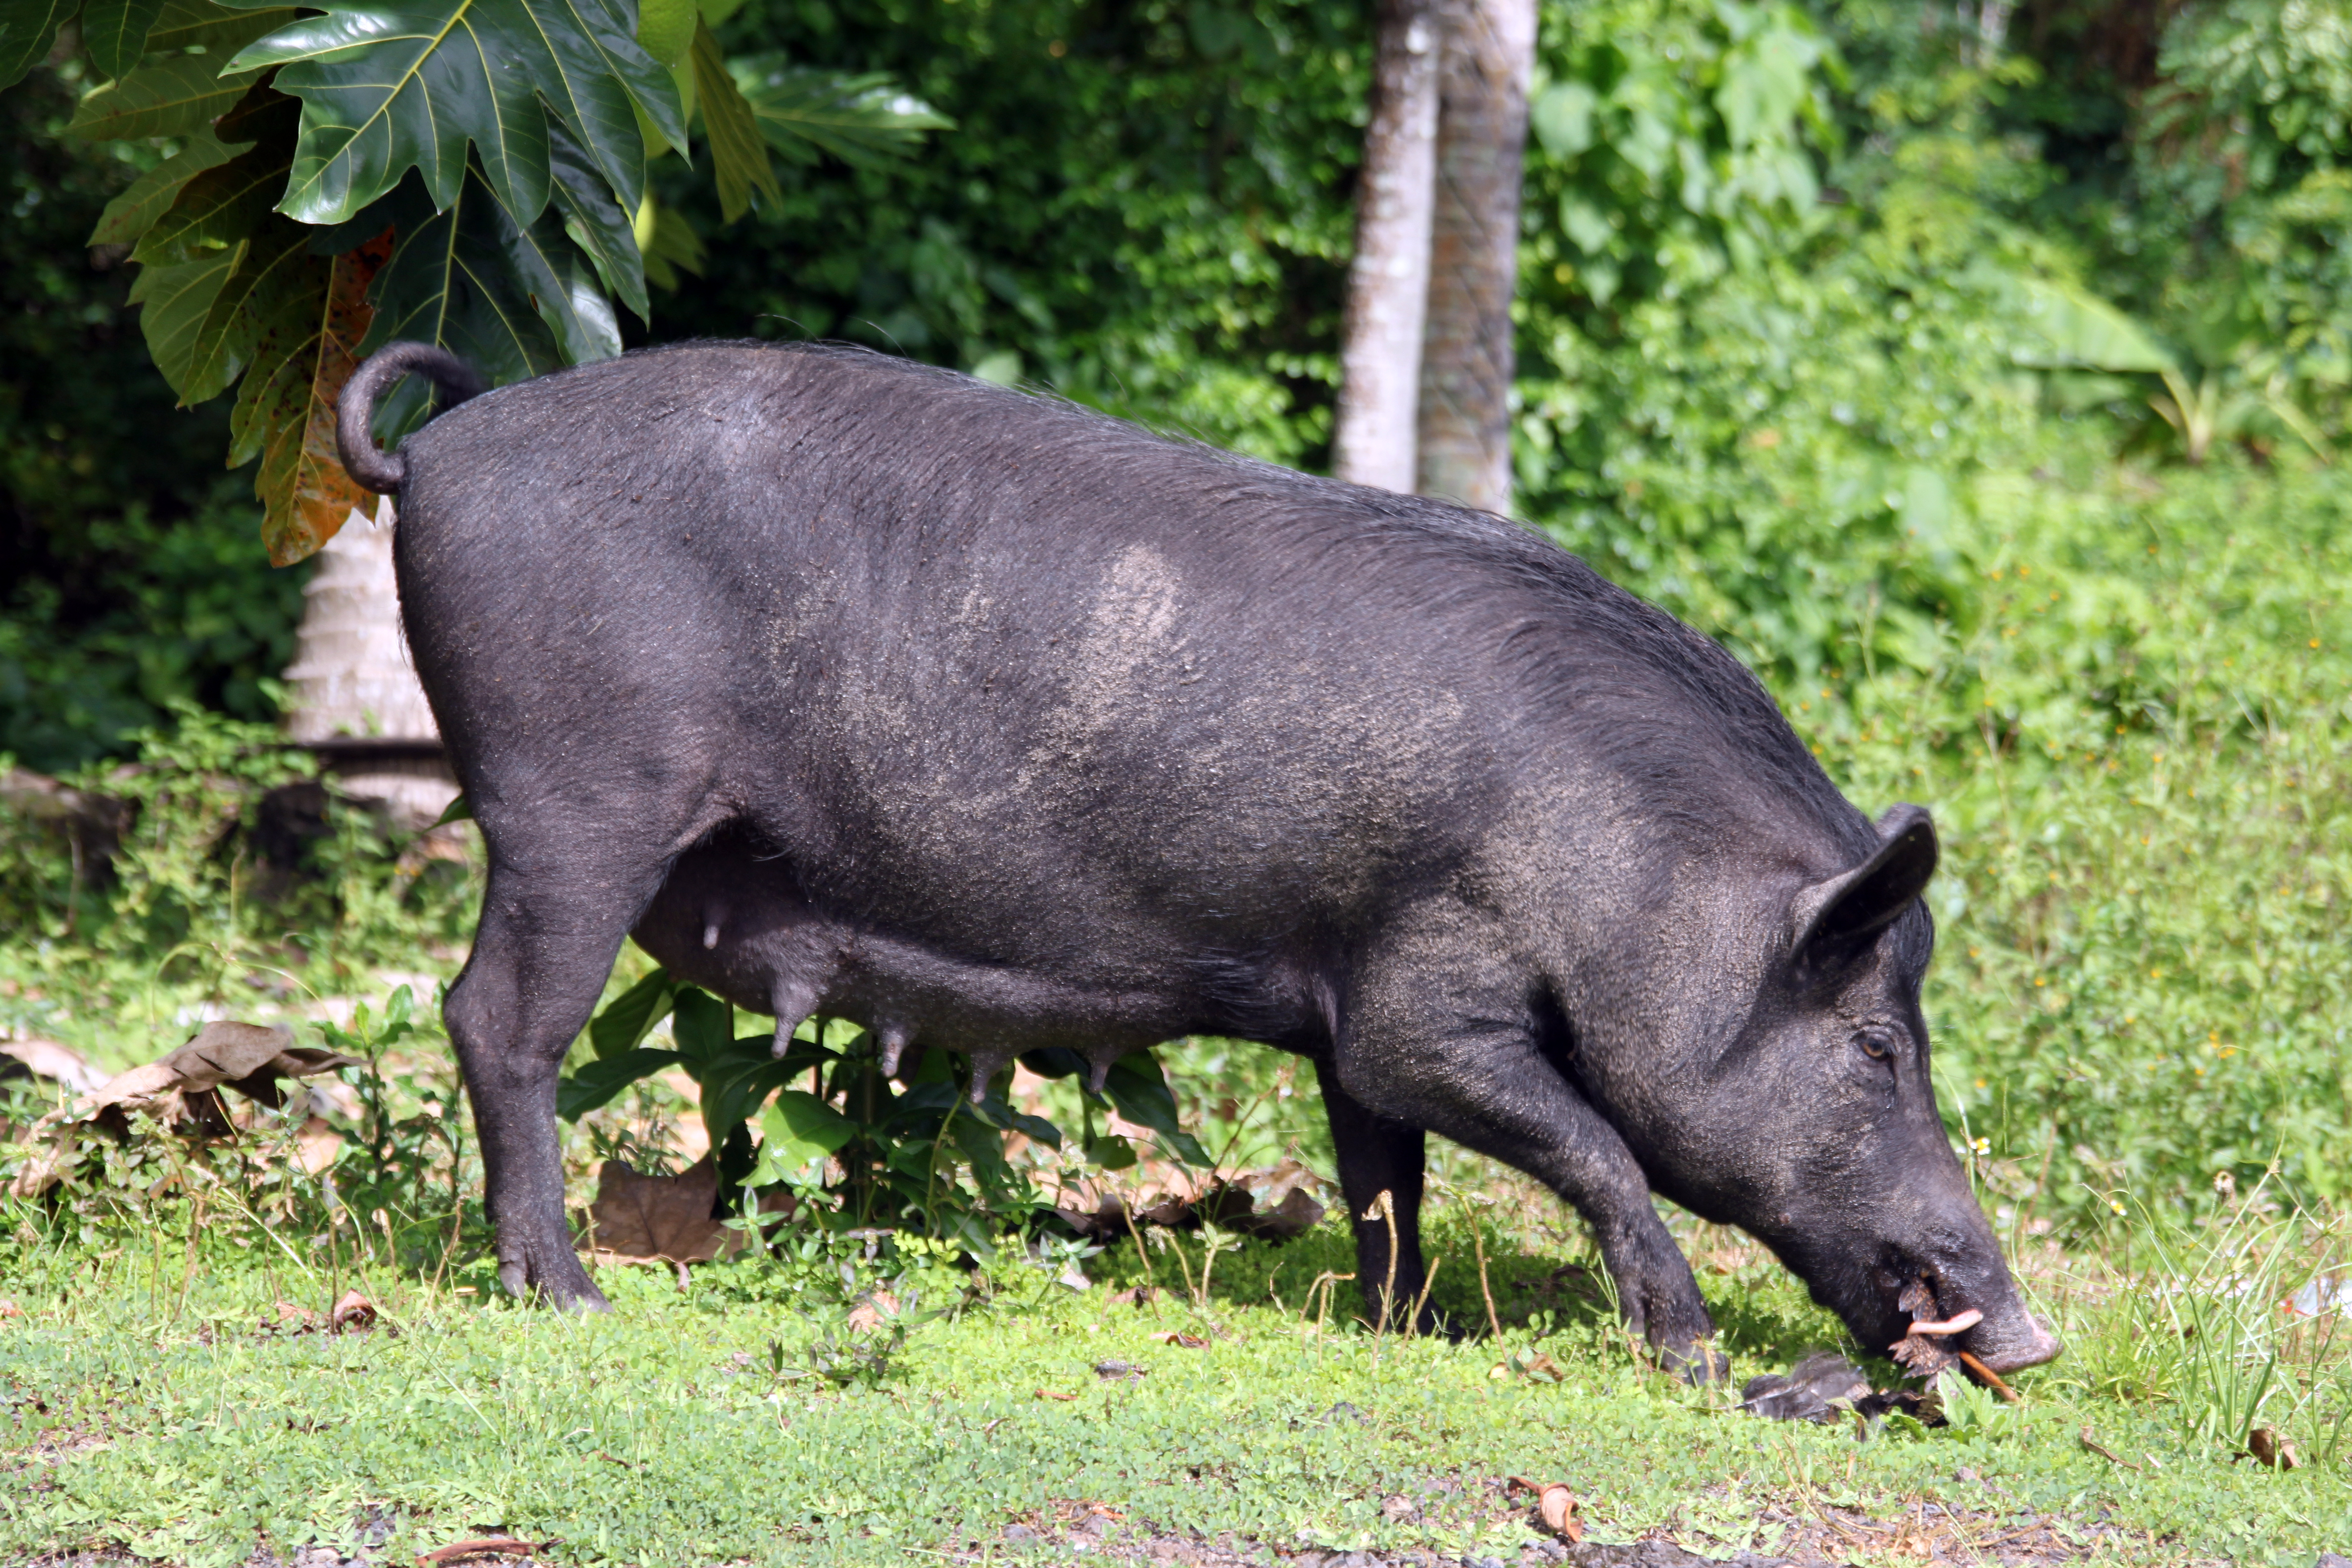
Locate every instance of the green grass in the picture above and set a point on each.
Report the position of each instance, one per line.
(149, 1410)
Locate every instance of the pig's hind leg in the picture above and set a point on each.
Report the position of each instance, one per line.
(553, 915)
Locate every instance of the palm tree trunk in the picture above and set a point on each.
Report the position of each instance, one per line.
(1465, 436)
(1388, 282)
(352, 690)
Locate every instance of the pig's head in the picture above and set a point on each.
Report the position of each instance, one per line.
(1826, 1144)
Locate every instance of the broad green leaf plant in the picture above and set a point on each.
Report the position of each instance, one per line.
(925, 1151)
(467, 173)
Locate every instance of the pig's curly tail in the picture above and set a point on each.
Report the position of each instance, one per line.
(355, 410)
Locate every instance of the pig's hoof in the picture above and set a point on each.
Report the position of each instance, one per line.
(566, 1289)
(1695, 1363)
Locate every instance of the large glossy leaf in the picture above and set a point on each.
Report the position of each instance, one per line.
(857, 118)
(562, 285)
(171, 97)
(668, 242)
(174, 302)
(798, 1131)
(115, 32)
(218, 207)
(151, 195)
(303, 353)
(27, 28)
(629, 1017)
(666, 29)
(738, 157)
(396, 84)
(215, 29)
(596, 1083)
(452, 280)
(595, 223)
(275, 275)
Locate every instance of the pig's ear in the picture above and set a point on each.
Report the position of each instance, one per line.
(1834, 918)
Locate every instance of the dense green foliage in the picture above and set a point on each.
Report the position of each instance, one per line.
(1144, 207)
(129, 572)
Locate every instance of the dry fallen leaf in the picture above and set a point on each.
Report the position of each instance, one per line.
(183, 1090)
(353, 1314)
(2268, 1447)
(638, 1218)
(1190, 1341)
(1133, 1296)
(1555, 1505)
(500, 1546)
(290, 1319)
(1059, 1398)
(53, 1059)
(9, 1309)
(868, 1315)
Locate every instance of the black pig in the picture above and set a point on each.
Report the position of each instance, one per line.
(995, 724)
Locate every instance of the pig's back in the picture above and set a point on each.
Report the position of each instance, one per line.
(958, 650)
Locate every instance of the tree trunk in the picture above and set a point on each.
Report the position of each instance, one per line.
(351, 679)
(1466, 364)
(1388, 282)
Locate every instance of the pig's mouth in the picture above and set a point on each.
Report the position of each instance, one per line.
(1937, 1334)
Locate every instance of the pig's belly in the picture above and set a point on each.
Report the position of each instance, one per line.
(737, 928)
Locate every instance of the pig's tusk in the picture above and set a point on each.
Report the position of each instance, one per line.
(1954, 1324)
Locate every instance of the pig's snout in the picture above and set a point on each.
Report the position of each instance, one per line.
(2010, 1341)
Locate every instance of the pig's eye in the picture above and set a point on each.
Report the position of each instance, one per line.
(1877, 1046)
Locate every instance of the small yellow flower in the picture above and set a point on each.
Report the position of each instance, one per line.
(2116, 1204)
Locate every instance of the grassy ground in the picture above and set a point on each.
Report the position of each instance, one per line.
(162, 1401)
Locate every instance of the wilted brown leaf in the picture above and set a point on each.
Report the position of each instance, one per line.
(499, 1546)
(52, 1059)
(1556, 1505)
(288, 1319)
(1190, 1341)
(288, 408)
(1059, 1398)
(353, 1314)
(2269, 1448)
(9, 1309)
(182, 1090)
(638, 1218)
(868, 1315)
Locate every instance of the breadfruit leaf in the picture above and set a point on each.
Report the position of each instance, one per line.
(287, 406)
(219, 31)
(738, 158)
(151, 194)
(857, 118)
(171, 98)
(115, 33)
(174, 302)
(217, 207)
(27, 28)
(388, 85)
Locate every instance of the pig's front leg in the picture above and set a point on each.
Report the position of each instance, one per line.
(1380, 1156)
(1449, 1044)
